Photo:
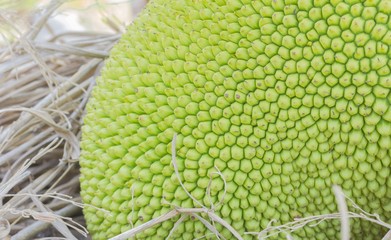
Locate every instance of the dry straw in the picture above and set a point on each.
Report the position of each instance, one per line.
(44, 87)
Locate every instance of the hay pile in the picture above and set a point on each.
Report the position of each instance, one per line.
(44, 86)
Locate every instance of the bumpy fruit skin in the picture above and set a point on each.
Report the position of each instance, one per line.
(285, 98)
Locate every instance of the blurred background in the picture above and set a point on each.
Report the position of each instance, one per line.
(101, 16)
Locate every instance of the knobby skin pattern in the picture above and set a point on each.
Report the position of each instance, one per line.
(284, 98)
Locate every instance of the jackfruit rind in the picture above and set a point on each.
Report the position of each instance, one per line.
(285, 98)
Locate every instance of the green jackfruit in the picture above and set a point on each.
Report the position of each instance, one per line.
(284, 98)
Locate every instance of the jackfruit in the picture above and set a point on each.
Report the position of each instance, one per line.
(272, 101)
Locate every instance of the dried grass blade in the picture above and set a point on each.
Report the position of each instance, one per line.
(39, 226)
(343, 210)
(49, 10)
(208, 225)
(22, 172)
(5, 228)
(175, 165)
(68, 49)
(55, 221)
(176, 225)
(225, 224)
(387, 236)
(132, 232)
(47, 118)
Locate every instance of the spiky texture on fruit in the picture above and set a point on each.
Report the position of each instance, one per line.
(285, 98)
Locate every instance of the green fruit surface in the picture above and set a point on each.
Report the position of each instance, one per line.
(284, 98)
